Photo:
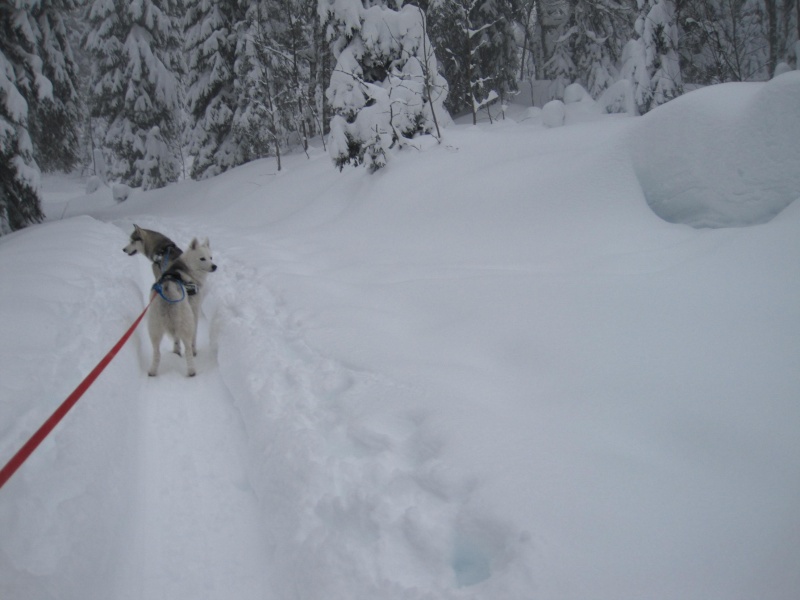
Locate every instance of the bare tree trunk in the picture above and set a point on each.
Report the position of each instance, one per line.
(427, 74)
(786, 23)
(469, 75)
(323, 74)
(271, 108)
(526, 39)
(772, 36)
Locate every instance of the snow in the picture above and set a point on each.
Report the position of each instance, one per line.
(739, 165)
(553, 113)
(507, 379)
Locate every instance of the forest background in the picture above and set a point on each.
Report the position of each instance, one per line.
(146, 92)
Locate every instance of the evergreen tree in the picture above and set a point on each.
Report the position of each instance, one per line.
(475, 39)
(210, 44)
(528, 51)
(54, 120)
(135, 89)
(560, 67)
(294, 25)
(499, 56)
(261, 114)
(589, 45)
(725, 41)
(650, 61)
(22, 80)
(385, 88)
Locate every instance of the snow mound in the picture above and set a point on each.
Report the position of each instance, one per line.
(553, 114)
(725, 156)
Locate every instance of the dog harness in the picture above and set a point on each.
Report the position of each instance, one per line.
(187, 287)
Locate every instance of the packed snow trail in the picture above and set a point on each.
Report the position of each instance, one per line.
(275, 474)
(196, 529)
(197, 534)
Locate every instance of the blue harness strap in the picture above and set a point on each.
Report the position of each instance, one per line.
(159, 289)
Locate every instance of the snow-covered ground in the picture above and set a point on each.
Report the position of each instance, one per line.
(488, 371)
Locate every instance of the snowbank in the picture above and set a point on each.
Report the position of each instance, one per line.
(66, 297)
(724, 156)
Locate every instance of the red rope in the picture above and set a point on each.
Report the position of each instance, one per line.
(37, 438)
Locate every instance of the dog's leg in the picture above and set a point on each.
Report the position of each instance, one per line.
(194, 332)
(155, 338)
(190, 370)
(176, 347)
(196, 320)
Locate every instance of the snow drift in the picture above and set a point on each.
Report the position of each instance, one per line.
(724, 156)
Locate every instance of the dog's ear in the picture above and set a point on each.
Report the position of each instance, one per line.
(136, 227)
(194, 245)
(206, 243)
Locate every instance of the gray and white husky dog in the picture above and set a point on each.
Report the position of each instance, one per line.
(176, 307)
(157, 247)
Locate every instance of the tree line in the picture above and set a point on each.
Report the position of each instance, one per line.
(156, 90)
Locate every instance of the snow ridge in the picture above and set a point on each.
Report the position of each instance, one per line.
(356, 504)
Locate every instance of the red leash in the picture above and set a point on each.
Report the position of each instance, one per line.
(37, 438)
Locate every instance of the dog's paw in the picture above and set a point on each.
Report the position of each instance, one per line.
(152, 373)
(191, 373)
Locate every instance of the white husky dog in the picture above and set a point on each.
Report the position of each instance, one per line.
(176, 309)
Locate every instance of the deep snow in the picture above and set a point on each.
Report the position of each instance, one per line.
(488, 371)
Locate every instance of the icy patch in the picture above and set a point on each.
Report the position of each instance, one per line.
(724, 156)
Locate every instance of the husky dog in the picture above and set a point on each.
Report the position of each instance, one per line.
(176, 309)
(157, 247)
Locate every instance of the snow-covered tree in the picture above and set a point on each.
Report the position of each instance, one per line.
(385, 88)
(255, 80)
(650, 61)
(725, 41)
(295, 44)
(530, 47)
(54, 119)
(39, 106)
(590, 45)
(476, 42)
(19, 175)
(210, 44)
(775, 16)
(560, 67)
(499, 55)
(135, 89)
(260, 120)
(739, 40)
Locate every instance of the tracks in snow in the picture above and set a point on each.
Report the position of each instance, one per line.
(198, 536)
(279, 472)
(196, 533)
